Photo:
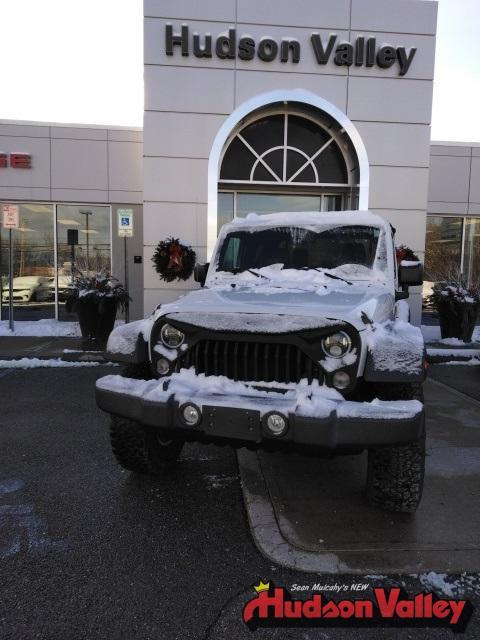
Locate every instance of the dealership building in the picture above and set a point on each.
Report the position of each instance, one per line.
(249, 106)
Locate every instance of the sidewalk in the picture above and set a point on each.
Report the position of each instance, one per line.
(44, 340)
(311, 514)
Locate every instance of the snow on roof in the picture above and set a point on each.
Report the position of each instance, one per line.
(308, 219)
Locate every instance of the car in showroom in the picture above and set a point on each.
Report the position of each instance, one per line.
(29, 289)
(299, 339)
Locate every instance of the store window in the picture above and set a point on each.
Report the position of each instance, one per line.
(42, 273)
(287, 159)
(452, 250)
(443, 254)
(33, 264)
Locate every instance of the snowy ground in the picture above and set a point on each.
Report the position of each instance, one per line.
(36, 363)
(432, 334)
(41, 328)
(44, 328)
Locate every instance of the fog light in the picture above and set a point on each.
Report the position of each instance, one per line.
(341, 380)
(190, 414)
(163, 366)
(276, 424)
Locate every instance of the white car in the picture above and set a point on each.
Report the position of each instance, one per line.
(64, 287)
(29, 289)
(299, 339)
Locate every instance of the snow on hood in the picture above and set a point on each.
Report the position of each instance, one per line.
(344, 305)
(252, 322)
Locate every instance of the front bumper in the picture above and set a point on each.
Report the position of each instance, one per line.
(393, 423)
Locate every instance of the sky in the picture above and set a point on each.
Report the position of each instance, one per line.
(85, 64)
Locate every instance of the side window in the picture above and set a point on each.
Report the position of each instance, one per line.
(230, 258)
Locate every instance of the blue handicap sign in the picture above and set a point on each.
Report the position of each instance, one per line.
(125, 222)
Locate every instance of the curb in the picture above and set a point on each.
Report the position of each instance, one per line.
(441, 355)
(265, 529)
(84, 356)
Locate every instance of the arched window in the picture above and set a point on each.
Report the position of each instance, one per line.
(287, 158)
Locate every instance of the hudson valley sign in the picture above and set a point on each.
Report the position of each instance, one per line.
(363, 52)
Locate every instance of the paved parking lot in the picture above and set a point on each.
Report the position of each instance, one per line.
(88, 551)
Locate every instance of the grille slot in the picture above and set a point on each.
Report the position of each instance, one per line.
(251, 361)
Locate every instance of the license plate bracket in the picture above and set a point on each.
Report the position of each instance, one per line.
(229, 422)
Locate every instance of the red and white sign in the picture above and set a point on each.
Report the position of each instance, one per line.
(10, 216)
(17, 160)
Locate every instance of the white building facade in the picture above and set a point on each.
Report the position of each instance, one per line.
(270, 106)
(314, 105)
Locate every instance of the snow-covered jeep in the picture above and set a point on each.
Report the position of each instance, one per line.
(299, 339)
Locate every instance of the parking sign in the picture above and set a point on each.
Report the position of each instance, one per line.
(125, 223)
(10, 216)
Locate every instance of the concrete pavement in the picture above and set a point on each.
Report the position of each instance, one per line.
(311, 514)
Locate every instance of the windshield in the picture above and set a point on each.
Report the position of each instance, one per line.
(299, 248)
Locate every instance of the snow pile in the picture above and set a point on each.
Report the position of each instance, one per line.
(41, 328)
(472, 362)
(308, 219)
(169, 354)
(252, 322)
(313, 401)
(449, 585)
(396, 346)
(275, 278)
(402, 310)
(452, 342)
(123, 339)
(37, 363)
(332, 364)
(454, 352)
(431, 333)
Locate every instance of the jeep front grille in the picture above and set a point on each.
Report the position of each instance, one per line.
(251, 361)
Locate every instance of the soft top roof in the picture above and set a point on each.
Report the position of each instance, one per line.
(309, 219)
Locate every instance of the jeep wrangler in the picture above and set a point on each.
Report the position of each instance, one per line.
(298, 339)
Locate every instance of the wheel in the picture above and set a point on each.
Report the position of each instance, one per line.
(395, 474)
(399, 391)
(138, 371)
(140, 449)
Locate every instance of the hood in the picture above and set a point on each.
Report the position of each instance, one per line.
(343, 305)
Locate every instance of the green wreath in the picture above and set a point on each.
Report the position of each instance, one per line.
(174, 260)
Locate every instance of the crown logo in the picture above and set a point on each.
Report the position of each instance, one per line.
(262, 586)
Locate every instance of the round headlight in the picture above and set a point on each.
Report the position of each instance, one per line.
(171, 336)
(337, 345)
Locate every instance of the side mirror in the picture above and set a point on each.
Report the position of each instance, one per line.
(410, 274)
(200, 273)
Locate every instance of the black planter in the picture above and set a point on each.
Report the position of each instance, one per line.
(457, 319)
(96, 318)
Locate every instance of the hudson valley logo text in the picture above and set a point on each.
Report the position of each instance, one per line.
(274, 607)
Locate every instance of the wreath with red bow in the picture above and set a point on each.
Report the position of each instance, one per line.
(405, 253)
(174, 260)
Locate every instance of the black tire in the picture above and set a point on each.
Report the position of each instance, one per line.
(138, 371)
(399, 391)
(141, 449)
(395, 475)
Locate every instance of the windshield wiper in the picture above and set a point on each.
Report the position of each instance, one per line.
(259, 275)
(329, 275)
